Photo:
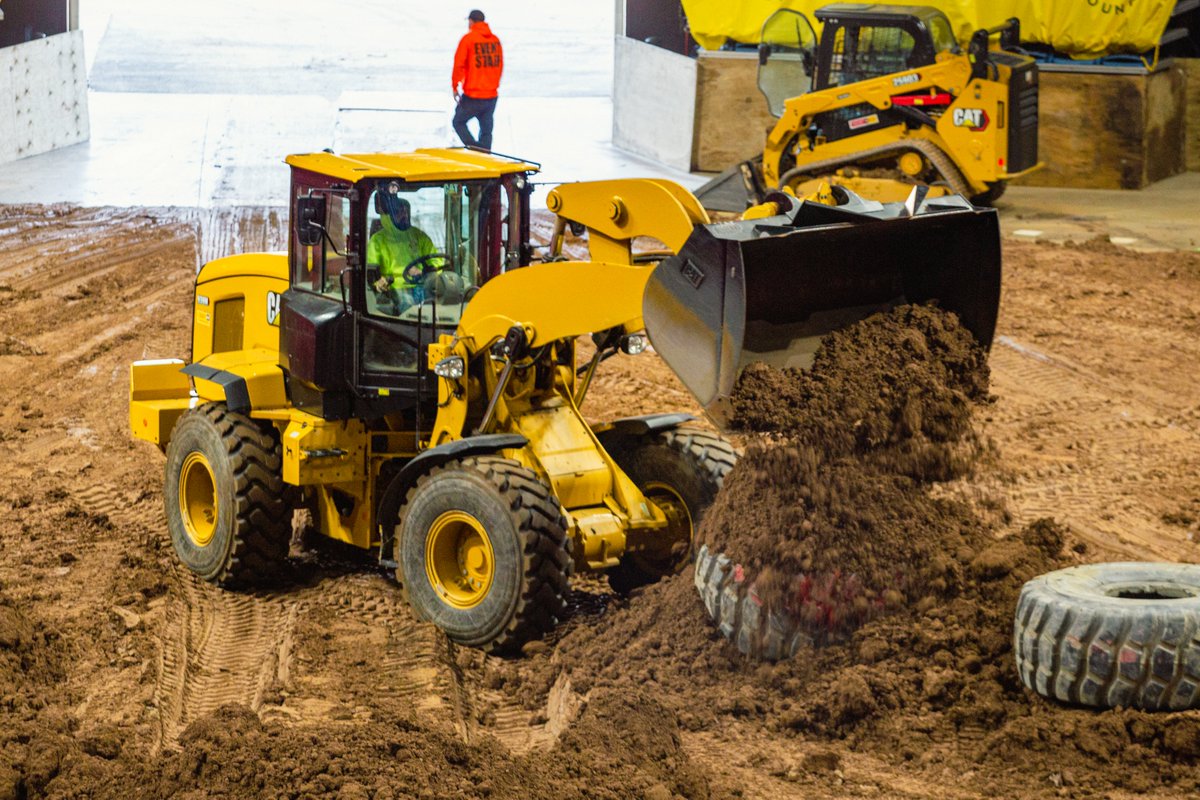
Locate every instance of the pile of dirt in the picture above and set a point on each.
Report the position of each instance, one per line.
(827, 510)
(33, 726)
(932, 686)
(233, 753)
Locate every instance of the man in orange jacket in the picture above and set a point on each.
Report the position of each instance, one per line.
(478, 63)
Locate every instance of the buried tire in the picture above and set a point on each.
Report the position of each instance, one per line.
(820, 608)
(681, 470)
(482, 553)
(1108, 635)
(224, 497)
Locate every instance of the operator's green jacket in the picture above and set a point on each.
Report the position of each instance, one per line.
(392, 250)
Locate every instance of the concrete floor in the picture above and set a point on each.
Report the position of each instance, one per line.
(197, 106)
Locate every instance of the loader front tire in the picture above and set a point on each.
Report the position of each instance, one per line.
(681, 470)
(224, 497)
(483, 553)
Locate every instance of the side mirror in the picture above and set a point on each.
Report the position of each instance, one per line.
(310, 220)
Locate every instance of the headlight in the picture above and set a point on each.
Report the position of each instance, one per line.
(452, 367)
(633, 344)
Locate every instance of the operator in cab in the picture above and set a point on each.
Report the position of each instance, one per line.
(400, 252)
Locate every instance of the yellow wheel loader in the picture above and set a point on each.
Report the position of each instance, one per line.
(436, 420)
(887, 100)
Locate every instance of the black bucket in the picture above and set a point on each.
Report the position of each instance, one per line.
(768, 290)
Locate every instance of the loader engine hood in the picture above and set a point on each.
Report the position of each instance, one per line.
(767, 290)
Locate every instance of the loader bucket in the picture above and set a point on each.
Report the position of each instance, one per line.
(735, 189)
(767, 290)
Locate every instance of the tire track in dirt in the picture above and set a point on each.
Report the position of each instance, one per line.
(1091, 453)
(218, 647)
(121, 506)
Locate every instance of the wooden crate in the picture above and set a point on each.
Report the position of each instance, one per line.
(1191, 147)
(1110, 131)
(731, 114)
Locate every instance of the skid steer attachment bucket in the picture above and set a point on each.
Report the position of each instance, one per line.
(767, 290)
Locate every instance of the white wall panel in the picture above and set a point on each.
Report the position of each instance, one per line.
(654, 103)
(43, 96)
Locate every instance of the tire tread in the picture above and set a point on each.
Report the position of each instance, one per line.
(1107, 653)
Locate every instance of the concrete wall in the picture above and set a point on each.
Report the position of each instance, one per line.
(654, 103)
(47, 81)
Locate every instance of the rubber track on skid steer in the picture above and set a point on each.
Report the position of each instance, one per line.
(941, 162)
(739, 614)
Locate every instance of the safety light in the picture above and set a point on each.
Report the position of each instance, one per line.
(633, 344)
(452, 367)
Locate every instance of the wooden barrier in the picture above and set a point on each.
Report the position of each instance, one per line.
(1110, 131)
(731, 113)
(1098, 130)
(1191, 147)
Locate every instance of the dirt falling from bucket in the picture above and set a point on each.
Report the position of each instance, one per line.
(828, 510)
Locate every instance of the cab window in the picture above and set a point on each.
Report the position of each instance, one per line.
(860, 54)
(422, 266)
(422, 254)
(318, 267)
(942, 34)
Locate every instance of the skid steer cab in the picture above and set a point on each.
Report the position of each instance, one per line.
(886, 99)
(408, 374)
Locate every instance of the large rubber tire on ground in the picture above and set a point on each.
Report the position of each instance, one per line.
(225, 497)
(483, 553)
(1108, 635)
(754, 629)
(682, 469)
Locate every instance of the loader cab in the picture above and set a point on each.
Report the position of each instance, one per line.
(864, 41)
(383, 264)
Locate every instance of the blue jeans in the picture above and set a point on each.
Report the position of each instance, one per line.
(474, 108)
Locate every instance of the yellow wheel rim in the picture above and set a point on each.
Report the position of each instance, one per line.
(459, 561)
(679, 520)
(198, 499)
(912, 164)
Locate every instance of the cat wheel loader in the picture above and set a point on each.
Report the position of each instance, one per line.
(447, 436)
(887, 100)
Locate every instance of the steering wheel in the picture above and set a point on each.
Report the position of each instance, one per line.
(426, 261)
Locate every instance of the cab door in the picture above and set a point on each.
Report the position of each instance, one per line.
(786, 58)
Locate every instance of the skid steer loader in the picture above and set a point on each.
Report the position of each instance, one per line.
(885, 101)
(446, 435)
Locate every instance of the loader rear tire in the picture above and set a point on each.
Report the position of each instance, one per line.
(1109, 635)
(483, 553)
(684, 468)
(225, 497)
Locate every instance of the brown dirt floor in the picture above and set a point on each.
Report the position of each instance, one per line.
(120, 676)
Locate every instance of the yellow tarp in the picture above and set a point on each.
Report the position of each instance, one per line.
(1081, 28)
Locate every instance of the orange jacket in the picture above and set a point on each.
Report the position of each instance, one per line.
(478, 63)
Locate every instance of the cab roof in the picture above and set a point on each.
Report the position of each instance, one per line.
(426, 164)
